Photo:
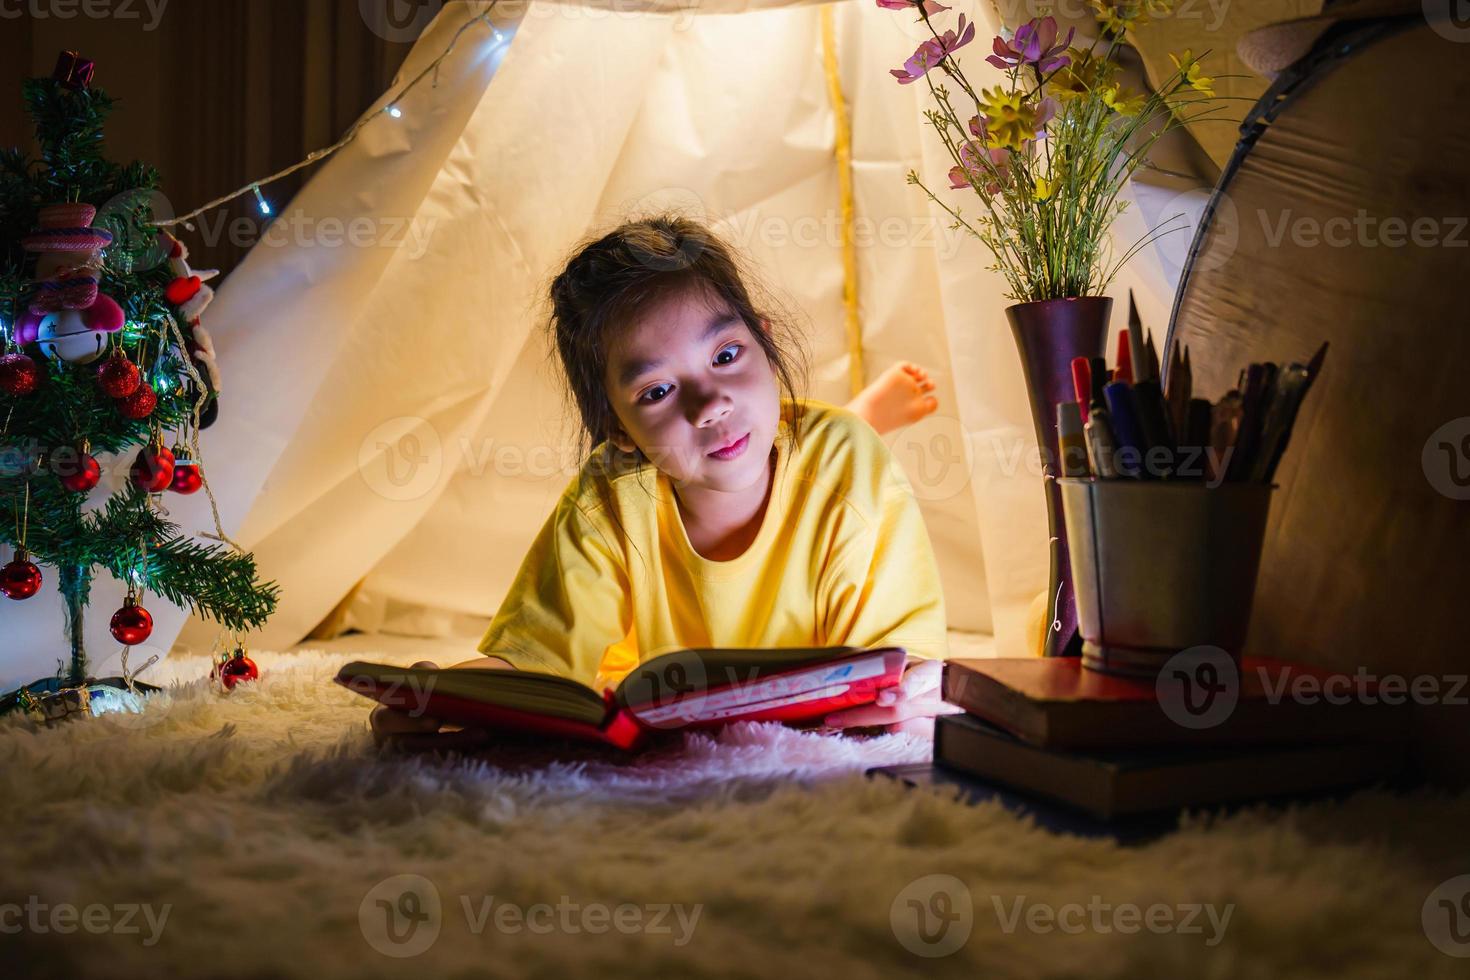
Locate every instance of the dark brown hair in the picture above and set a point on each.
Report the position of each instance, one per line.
(611, 281)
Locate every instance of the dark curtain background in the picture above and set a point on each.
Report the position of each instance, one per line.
(214, 93)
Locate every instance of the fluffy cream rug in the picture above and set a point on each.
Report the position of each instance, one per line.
(259, 834)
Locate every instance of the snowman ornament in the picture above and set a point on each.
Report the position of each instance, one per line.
(68, 317)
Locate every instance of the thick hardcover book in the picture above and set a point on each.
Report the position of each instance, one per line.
(1119, 782)
(1055, 702)
(697, 688)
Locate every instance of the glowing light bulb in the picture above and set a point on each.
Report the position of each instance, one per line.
(395, 112)
(265, 207)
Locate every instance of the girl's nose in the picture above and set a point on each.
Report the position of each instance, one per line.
(711, 408)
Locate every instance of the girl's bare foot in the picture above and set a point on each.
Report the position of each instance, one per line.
(900, 396)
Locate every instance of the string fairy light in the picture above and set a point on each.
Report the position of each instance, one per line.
(390, 109)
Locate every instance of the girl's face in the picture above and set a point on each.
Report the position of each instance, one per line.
(687, 380)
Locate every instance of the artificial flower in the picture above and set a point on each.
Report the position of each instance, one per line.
(1044, 188)
(1079, 75)
(1124, 105)
(1116, 17)
(973, 156)
(1045, 109)
(1189, 73)
(1009, 120)
(930, 7)
(932, 52)
(1035, 43)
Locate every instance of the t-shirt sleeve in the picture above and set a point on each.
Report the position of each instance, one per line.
(568, 603)
(882, 587)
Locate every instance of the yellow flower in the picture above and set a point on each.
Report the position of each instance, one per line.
(1009, 121)
(1080, 75)
(1044, 188)
(1189, 73)
(1116, 16)
(1124, 105)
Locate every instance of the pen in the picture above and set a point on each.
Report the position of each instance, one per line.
(1071, 440)
(1197, 429)
(1291, 384)
(1098, 368)
(1100, 445)
(1131, 442)
(1153, 421)
(1082, 380)
(1259, 382)
(1123, 371)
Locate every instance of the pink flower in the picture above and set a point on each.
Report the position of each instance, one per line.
(1045, 110)
(931, 7)
(1036, 44)
(932, 52)
(971, 157)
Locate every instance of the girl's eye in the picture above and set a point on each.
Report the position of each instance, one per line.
(734, 347)
(647, 399)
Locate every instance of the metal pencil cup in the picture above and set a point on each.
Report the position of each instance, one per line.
(1162, 566)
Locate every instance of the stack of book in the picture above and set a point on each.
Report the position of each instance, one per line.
(1115, 747)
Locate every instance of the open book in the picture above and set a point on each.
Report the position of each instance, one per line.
(695, 688)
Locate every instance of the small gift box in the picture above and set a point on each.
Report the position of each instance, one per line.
(73, 71)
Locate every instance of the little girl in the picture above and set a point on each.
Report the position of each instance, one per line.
(712, 511)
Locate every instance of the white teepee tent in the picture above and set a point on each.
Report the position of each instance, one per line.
(391, 430)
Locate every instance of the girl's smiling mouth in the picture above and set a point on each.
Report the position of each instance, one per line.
(733, 450)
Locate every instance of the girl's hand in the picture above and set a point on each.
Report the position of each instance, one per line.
(910, 707)
(406, 730)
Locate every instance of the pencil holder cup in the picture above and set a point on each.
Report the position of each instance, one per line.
(1161, 567)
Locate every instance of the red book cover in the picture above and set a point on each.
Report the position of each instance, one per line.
(819, 682)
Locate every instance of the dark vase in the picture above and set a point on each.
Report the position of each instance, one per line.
(1049, 333)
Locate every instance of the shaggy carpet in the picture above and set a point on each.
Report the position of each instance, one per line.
(260, 834)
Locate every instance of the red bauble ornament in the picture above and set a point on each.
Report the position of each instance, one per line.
(118, 376)
(20, 579)
(18, 375)
(187, 478)
(234, 670)
(141, 403)
(78, 471)
(131, 624)
(153, 470)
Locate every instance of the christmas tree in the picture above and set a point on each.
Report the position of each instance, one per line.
(102, 353)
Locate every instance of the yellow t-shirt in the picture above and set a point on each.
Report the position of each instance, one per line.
(842, 558)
